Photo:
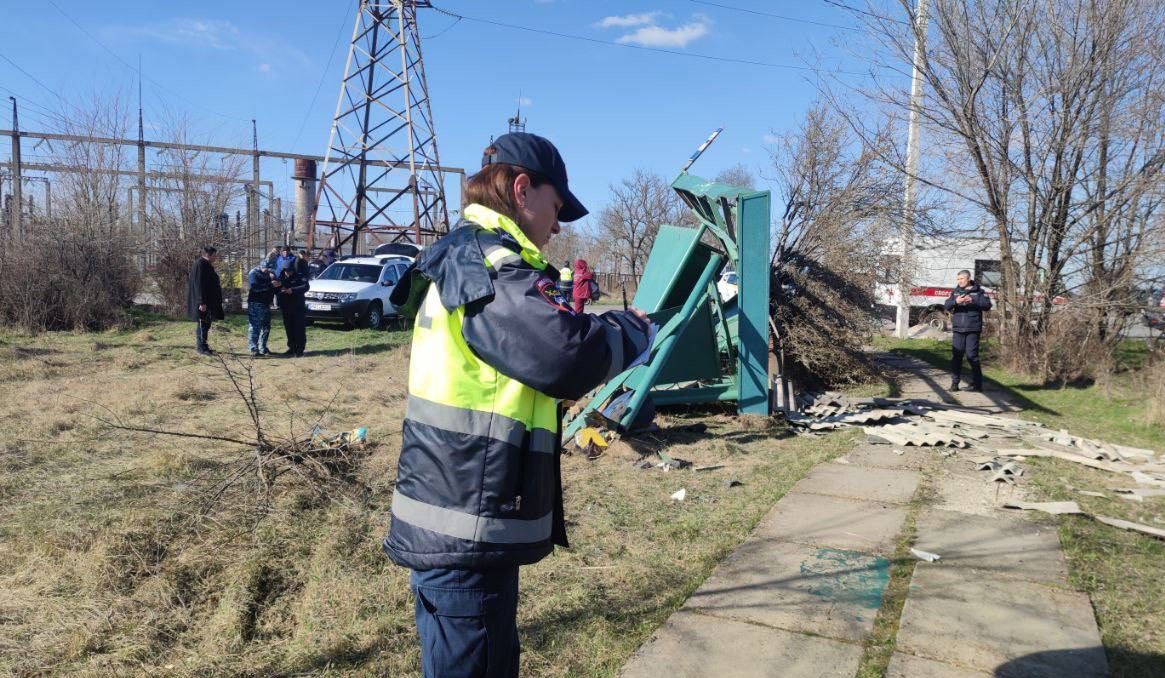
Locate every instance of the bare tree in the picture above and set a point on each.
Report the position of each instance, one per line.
(1048, 117)
(639, 205)
(834, 201)
(738, 175)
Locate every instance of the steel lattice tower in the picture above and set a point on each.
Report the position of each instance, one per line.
(382, 173)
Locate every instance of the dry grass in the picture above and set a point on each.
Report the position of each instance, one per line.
(103, 573)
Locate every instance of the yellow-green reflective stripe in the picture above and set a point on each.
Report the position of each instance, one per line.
(468, 526)
(477, 423)
(498, 256)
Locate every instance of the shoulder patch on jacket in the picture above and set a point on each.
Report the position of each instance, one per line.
(548, 290)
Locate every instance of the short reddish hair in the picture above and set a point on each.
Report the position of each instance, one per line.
(493, 186)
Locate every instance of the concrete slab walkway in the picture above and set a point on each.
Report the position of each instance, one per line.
(810, 579)
(800, 596)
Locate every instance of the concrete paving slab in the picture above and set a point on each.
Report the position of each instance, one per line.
(883, 456)
(871, 484)
(1002, 545)
(692, 645)
(977, 620)
(828, 592)
(834, 522)
(908, 666)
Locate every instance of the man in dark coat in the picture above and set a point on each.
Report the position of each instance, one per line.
(204, 297)
(966, 305)
(292, 288)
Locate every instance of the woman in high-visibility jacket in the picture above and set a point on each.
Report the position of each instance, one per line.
(566, 280)
(495, 347)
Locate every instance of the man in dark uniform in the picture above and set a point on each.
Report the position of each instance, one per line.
(204, 298)
(966, 305)
(292, 288)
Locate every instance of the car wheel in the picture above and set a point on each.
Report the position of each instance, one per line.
(375, 316)
(936, 319)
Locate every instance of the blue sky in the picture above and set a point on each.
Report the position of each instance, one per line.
(610, 109)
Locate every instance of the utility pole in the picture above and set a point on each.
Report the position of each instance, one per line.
(253, 189)
(141, 167)
(910, 197)
(15, 204)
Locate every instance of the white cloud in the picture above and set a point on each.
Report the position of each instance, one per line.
(745, 150)
(270, 52)
(628, 20)
(525, 101)
(656, 36)
(770, 138)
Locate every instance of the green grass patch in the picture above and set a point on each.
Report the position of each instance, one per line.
(1116, 410)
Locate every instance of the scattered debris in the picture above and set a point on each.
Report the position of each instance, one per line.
(925, 555)
(590, 441)
(709, 467)
(670, 463)
(1129, 525)
(732, 483)
(680, 494)
(842, 460)
(1090, 493)
(1053, 507)
(899, 452)
(1138, 493)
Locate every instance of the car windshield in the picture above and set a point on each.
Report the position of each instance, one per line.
(365, 273)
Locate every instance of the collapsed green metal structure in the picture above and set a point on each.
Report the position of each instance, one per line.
(707, 349)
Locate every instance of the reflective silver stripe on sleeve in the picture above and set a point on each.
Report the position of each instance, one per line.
(463, 420)
(467, 526)
(615, 341)
(497, 256)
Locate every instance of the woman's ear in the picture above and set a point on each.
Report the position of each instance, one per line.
(521, 183)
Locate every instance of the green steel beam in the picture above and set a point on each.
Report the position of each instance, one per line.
(752, 330)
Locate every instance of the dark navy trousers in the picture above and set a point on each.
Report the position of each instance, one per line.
(467, 622)
(966, 344)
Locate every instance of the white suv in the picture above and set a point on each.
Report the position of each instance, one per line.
(355, 291)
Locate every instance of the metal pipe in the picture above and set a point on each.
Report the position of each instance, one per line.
(211, 149)
(305, 195)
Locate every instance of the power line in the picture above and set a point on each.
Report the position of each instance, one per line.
(441, 32)
(138, 71)
(32, 77)
(857, 10)
(584, 38)
(774, 16)
(323, 75)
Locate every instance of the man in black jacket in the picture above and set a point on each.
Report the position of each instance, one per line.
(292, 288)
(966, 305)
(204, 297)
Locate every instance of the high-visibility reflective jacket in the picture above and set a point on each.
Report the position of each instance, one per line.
(495, 345)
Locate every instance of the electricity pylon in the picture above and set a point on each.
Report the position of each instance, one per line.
(382, 174)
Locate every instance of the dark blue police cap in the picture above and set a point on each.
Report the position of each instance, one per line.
(537, 154)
